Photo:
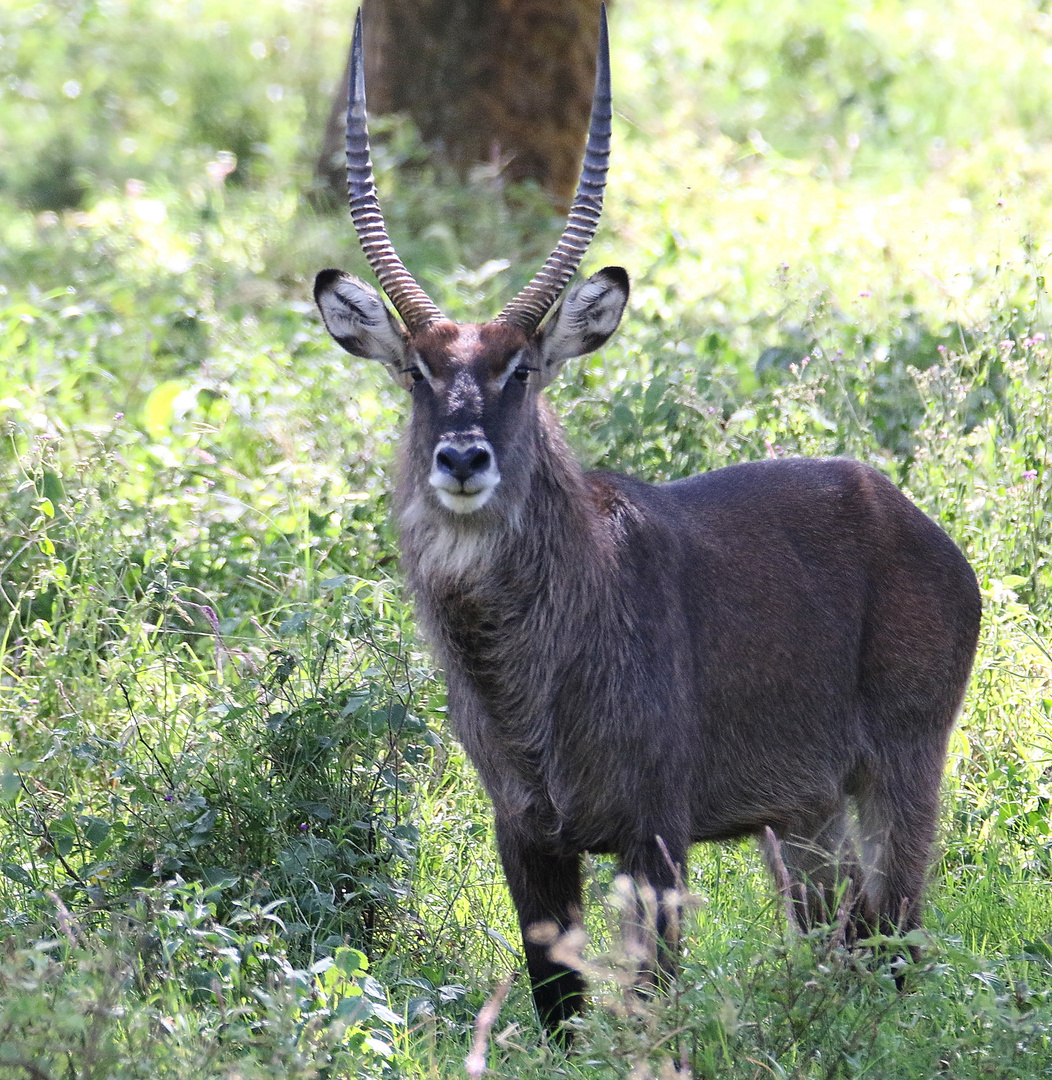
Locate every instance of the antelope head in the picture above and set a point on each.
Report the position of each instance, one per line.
(474, 386)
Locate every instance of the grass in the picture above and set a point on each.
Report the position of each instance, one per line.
(235, 839)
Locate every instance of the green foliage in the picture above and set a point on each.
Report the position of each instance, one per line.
(99, 93)
(276, 764)
(778, 1007)
(216, 999)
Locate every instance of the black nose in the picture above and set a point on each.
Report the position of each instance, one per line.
(463, 462)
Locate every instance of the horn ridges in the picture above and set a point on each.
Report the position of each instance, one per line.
(410, 301)
(537, 298)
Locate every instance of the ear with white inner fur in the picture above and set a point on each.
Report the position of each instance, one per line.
(360, 322)
(585, 319)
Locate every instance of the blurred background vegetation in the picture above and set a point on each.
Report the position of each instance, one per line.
(235, 840)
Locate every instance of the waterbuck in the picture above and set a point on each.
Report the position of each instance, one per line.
(635, 667)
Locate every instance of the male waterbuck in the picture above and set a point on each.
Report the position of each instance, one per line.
(635, 667)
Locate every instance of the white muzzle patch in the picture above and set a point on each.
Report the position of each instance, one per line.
(461, 486)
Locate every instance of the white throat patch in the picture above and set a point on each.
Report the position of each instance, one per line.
(446, 549)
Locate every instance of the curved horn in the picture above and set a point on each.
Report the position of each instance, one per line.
(410, 301)
(536, 299)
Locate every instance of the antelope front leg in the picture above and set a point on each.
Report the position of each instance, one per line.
(657, 867)
(545, 888)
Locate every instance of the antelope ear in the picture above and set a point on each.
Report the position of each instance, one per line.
(360, 321)
(585, 319)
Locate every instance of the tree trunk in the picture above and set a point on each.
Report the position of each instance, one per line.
(503, 82)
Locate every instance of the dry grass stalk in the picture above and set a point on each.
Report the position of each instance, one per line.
(781, 875)
(66, 922)
(475, 1062)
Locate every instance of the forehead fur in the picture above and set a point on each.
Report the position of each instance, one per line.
(486, 348)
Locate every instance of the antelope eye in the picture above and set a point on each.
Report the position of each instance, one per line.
(415, 372)
(523, 373)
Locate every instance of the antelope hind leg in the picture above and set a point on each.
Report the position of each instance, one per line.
(815, 862)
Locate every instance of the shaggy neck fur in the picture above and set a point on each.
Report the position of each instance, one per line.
(513, 595)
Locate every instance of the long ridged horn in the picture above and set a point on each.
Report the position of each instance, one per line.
(537, 298)
(410, 301)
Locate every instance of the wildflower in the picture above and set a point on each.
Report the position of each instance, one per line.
(217, 171)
